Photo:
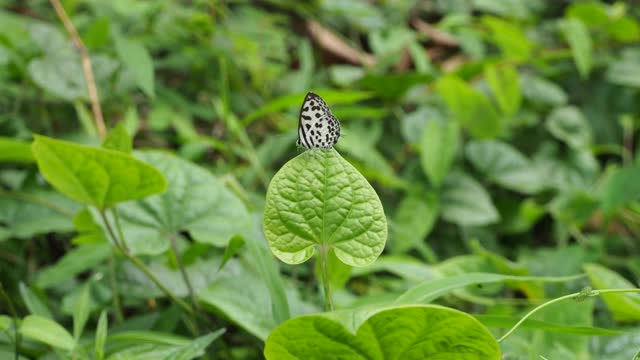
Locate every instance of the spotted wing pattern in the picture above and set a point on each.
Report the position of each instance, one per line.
(317, 127)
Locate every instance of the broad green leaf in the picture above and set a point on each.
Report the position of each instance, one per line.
(17, 151)
(80, 259)
(195, 201)
(505, 166)
(31, 211)
(592, 14)
(241, 296)
(542, 91)
(402, 266)
(624, 70)
(415, 332)
(392, 86)
(509, 37)
(33, 303)
(625, 307)
(465, 202)
(619, 188)
(505, 85)
(81, 312)
(624, 29)
(59, 74)
(574, 208)
(469, 107)
(579, 39)
(569, 125)
(95, 176)
(136, 58)
(101, 334)
(497, 321)
(235, 244)
(414, 219)
(438, 148)
(47, 331)
(119, 139)
(319, 199)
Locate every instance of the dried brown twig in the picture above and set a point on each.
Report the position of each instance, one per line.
(86, 67)
(434, 34)
(335, 45)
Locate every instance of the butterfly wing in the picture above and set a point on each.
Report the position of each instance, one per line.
(317, 127)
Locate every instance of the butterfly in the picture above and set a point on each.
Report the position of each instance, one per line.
(317, 127)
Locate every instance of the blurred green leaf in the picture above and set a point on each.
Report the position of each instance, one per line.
(469, 107)
(119, 139)
(33, 303)
(497, 321)
(623, 71)
(505, 85)
(81, 312)
(509, 37)
(95, 176)
(619, 188)
(47, 331)
(348, 215)
(101, 334)
(579, 39)
(465, 202)
(414, 219)
(136, 58)
(624, 307)
(574, 208)
(438, 148)
(393, 86)
(82, 258)
(569, 125)
(235, 244)
(505, 166)
(542, 91)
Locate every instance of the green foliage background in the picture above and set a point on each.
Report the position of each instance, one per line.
(500, 136)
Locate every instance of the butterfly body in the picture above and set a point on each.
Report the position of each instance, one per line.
(317, 127)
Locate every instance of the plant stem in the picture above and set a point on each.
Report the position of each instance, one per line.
(576, 296)
(324, 277)
(142, 267)
(14, 314)
(117, 308)
(183, 271)
(86, 67)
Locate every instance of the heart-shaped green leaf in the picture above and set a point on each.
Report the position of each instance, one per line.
(95, 176)
(412, 332)
(319, 199)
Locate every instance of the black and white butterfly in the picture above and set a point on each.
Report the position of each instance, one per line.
(317, 127)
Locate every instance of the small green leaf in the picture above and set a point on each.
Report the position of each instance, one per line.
(12, 150)
(574, 208)
(620, 187)
(414, 219)
(136, 58)
(319, 199)
(5, 322)
(82, 258)
(95, 176)
(469, 107)
(235, 244)
(412, 332)
(541, 91)
(569, 125)
(101, 334)
(81, 312)
(504, 82)
(624, 71)
(505, 166)
(466, 203)
(509, 37)
(438, 149)
(624, 307)
(47, 331)
(119, 140)
(578, 37)
(33, 303)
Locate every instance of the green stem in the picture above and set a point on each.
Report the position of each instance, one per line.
(14, 314)
(576, 296)
(119, 229)
(142, 267)
(183, 271)
(324, 277)
(117, 308)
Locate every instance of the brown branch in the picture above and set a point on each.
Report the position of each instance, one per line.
(86, 68)
(435, 35)
(335, 45)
